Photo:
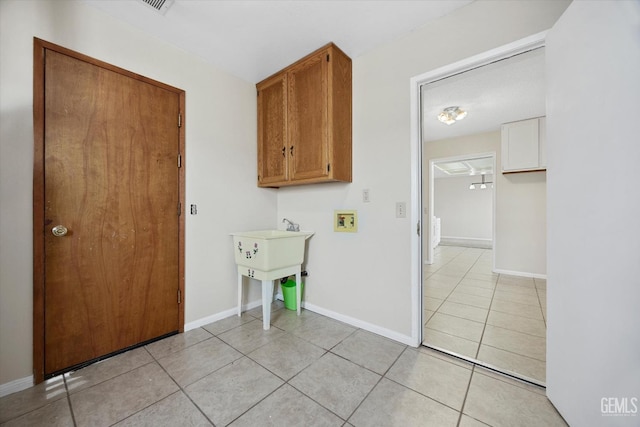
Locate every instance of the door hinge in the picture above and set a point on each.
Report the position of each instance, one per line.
(179, 160)
(179, 208)
(418, 228)
(179, 120)
(179, 296)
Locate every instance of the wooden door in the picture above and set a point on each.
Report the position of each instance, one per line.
(273, 150)
(308, 118)
(111, 142)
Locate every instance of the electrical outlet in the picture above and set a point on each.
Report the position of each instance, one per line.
(365, 195)
(194, 210)
(401, 210)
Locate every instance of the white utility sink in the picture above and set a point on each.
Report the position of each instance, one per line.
(268, 255)
(269, 250)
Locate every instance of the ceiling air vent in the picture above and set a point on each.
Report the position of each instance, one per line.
(159, 5)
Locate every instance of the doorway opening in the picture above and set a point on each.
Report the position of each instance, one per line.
(478, 262)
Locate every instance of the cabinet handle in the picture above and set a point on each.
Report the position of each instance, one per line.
(284, 151)
(292, 150)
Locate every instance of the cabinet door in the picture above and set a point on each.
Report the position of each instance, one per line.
(308, 118)
(520, 150)
(273, 152)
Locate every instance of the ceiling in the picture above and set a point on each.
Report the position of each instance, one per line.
(504, 91)
(254, 39)
(467, 167)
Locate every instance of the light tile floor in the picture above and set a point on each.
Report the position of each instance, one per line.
(494, 318)
(305, 371)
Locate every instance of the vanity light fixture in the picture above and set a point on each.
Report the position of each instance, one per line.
(450, 115)
(483, 184)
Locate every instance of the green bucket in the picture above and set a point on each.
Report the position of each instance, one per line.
(289, 294)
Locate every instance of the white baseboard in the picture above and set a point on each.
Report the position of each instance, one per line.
(16, 386)
(219, 316)
(468, 242)
(387, 333)
(521, 273)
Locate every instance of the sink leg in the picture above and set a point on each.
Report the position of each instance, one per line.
(267, 296)
(298, 289)
(239, 294)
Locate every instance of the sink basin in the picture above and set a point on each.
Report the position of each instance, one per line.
(269, 250)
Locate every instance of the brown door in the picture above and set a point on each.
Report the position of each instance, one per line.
(111, 211)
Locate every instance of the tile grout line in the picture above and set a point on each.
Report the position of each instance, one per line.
(68, 396)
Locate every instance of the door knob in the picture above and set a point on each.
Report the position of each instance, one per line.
(59, 230)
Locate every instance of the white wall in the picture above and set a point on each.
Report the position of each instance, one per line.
(464, 213)
(367, 275)
(593, 334)
(220, 159)
(520, 234)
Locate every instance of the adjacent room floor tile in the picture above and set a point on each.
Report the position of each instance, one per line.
(474, 300)
(474, 290)
(517, 323)
(336, 384)
(465, 311)
(452, 343)
(517, 309)
(514, 303)
(515, 342)
(517, 297)
(459, 327)
(527, 366)
(391, 404)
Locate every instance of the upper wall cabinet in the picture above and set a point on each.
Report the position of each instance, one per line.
(524, 145)
(304, 121)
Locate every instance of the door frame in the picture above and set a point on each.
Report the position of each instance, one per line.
(39, 47)
(533, 41)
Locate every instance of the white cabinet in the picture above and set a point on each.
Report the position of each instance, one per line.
(524, 145)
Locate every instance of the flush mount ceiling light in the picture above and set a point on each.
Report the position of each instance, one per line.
(450, 115)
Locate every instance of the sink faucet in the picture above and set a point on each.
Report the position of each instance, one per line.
(291, 226)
